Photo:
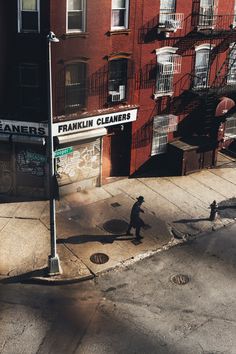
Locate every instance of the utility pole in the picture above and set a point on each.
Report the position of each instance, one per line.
(53, 260)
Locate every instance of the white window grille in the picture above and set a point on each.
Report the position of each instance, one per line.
(28, 15)
(120, 14)
(159, 144)
(230, 128)
(201, 68)
(168, 64)
(231, 76)
(207, 13)
(76, 15)
(169, 19)
(162, 125)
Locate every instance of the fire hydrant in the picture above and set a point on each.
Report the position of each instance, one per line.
(214, 209)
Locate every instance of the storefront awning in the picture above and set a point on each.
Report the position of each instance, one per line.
(28, 139)
(90, 134)
(5, 137)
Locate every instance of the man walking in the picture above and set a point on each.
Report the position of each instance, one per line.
(135, 220)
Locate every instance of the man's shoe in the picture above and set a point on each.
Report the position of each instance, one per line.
(139, 237)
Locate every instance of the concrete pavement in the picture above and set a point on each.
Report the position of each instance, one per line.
(95, 221)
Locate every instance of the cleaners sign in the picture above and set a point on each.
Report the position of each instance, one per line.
(25, 128)
(94, 122)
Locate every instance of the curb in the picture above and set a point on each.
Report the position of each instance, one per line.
(62, 280)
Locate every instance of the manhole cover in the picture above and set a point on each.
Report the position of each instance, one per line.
(99, 258)
(115, 226)
(180, 279)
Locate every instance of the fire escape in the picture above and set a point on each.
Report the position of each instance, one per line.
(197, 93)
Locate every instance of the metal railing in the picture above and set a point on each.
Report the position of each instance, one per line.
(171, 21)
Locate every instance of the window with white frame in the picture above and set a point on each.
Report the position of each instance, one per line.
(230, 128)
(168, 64)
(75, 86)
(117, 79)
(231, 76)
(120, 14)
(208, 10)
(28, 16)
(76, 13)
(162, 125)
(202, 67)
(29, 86)
(168, 16)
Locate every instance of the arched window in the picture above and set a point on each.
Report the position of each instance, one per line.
(168, 64)
(202, 66)
(117, 79)
(75, 86)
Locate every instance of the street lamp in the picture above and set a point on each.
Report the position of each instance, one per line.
(53, 260)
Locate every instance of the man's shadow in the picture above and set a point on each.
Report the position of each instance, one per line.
(78, 239)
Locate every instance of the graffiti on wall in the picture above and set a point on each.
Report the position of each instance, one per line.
(6, 177)
(30, 162)
(81, 164)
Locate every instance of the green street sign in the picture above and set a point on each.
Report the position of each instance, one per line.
(63, 152)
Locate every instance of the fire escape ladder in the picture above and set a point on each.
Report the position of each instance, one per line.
(213, 93)
(219, 80)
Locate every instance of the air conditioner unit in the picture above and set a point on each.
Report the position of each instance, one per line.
(115, 96)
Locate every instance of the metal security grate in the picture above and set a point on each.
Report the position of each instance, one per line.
(180, 279)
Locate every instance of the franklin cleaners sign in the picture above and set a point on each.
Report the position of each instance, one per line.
(25, 128)
(94, 122)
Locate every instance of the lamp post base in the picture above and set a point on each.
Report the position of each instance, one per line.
(54, 267)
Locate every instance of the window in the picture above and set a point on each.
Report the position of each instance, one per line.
(75, 86)
(162, 125)
(208, 8)
(201, 68)
(231, 76)
(117, 79)
(29, 86)
(167, 7)
(76, 15)
(28, 16)
(168, 64)
(230, 128)
(119, 18)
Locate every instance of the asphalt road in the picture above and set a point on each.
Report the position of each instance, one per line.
(133, 310)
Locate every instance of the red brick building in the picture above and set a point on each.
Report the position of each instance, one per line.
(134, 82)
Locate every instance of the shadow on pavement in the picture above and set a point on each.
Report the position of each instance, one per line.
(94, 238)
(25, 276)
(185, 221)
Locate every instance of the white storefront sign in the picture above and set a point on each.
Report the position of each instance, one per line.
(94, 122)
(23, 128)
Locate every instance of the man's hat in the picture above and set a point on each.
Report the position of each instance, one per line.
(140, 199)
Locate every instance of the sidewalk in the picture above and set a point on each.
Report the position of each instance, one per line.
(95, 221)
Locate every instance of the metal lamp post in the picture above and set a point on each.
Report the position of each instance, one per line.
(53, 260)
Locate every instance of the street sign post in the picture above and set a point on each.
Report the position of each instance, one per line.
(63, 152)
